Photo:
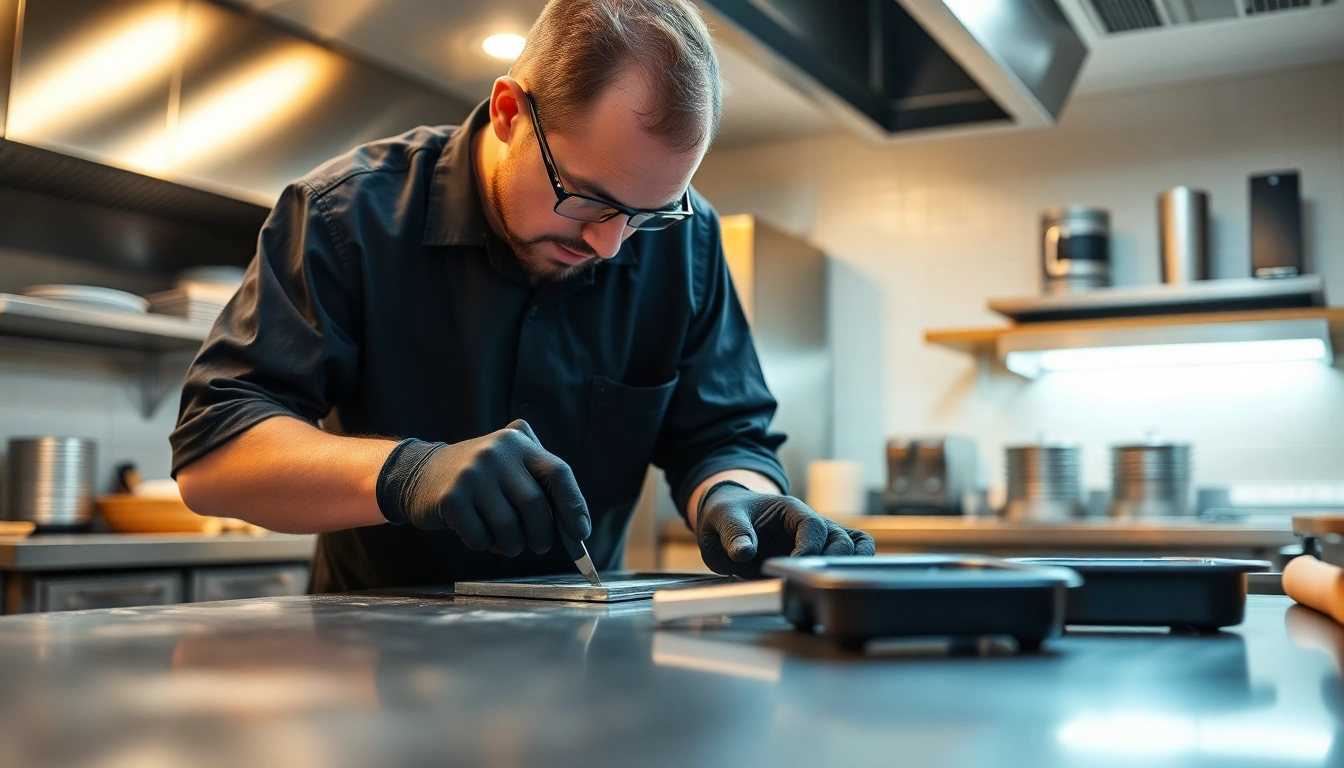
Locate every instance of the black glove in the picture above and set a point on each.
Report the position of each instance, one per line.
(499, 492)
(739, 529)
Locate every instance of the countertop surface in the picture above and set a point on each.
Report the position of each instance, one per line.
(1100, 532)
(80, 551)
(423, 680)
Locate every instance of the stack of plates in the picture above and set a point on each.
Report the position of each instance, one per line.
(200, 293)
(89, 296)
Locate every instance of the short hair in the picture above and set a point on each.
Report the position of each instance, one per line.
(578, 47)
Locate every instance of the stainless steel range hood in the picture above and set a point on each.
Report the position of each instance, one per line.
(887, 67)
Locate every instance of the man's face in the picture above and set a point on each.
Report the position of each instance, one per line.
(609, 155)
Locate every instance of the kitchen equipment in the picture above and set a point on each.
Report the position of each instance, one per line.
(1276, 225)
(1322, 536)
(615, 587)
(1075, 249)
(50, 481)
(1183, 221)
(929, 476)
(89, 296)
(1045, 482)
(1201, 594)
(857, 599)
(1137, 301)
(836, 487)
(1150, 480)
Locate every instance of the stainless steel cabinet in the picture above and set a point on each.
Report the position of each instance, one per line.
(243, 582)
(123, 590)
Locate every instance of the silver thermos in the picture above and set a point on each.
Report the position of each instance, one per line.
(1183, 220)
(1075, 249)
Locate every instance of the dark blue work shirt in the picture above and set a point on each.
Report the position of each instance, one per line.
(381, 303)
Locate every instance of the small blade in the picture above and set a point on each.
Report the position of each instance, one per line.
(585, 564)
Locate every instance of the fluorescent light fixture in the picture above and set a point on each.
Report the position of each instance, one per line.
(1031, 353)
(504, 46)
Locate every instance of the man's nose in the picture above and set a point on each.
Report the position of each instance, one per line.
(605, 237)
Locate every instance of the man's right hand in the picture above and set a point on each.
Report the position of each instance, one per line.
(502, 491)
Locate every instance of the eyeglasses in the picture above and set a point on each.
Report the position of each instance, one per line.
(579, 207)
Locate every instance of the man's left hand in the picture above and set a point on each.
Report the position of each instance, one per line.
(739, 529)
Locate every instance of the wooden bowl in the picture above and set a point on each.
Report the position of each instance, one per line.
(126, 513)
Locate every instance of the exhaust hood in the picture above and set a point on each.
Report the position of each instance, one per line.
(886, 67)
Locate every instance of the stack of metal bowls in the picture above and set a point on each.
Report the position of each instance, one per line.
(1045, 482)
(51, 481)
(1151, 480)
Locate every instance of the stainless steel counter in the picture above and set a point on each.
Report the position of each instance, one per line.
(86, 551)
(408, 681)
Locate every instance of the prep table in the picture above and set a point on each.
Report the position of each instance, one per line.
(421, 679)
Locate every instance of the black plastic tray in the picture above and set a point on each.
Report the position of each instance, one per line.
(855, 600)
(1184, 593)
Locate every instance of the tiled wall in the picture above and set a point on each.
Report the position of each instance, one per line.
(923, 233)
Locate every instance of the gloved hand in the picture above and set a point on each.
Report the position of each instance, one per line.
(501, 492)
(739, 529)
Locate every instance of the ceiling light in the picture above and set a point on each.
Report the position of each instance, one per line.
(1033, 353)
(505, 46)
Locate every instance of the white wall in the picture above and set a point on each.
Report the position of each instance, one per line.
(923, 233)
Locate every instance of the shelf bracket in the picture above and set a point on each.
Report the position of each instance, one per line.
(160, 373)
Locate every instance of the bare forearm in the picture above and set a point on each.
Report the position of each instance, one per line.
(286, 475)
(752, 479)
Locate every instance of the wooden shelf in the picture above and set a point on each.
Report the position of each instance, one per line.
(982, 341)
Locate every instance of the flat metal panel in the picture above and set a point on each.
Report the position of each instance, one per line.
(209, 584)
(125, 590)
(9, 35)
(94, 78)
(260, 107)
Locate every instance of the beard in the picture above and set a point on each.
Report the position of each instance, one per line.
(528, 253)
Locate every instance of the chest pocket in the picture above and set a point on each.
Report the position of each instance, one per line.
(619, 437)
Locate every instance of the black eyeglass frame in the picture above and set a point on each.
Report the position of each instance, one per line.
(638, 218)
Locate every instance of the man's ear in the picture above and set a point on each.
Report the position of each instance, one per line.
(507, 110)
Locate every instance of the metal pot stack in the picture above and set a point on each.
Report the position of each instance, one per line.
(51, 481)
(1045, 482)
(1151, 480)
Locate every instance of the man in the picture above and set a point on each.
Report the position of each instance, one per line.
(536, 304)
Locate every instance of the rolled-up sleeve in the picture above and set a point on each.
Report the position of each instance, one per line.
(286, 344)
(720, 414)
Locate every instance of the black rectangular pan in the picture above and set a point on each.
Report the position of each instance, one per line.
(852, 600)
(1184, 593)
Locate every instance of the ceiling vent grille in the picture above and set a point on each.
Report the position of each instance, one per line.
(1114, 16)
(1126, 15)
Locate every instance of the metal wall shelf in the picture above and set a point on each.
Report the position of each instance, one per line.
(147, 340)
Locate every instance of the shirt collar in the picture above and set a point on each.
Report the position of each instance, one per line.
(455, 216)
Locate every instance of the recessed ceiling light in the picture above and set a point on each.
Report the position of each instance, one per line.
(505, 46)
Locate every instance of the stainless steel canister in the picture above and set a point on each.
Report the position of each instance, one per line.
(1045, 482)
(1183, 221)
(1075, 249)
(51, 481)
(1151, 480)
